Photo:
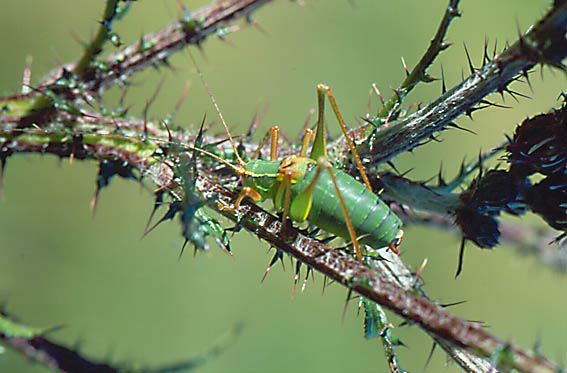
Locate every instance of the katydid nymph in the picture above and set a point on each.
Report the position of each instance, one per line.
(308, 188)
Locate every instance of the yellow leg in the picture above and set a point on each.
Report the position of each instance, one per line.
(325, 164)
(246, 192)
(273, 135)
(286, 184)
(321, 91)
(302, 202)
(307, 137)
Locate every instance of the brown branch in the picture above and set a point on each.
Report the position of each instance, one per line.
(544, 43)
(55, 356)
(338, 266)
(387, 287)
(342, 268)
(163, 43)
(152, 49)
(392, 267)
(371, 284)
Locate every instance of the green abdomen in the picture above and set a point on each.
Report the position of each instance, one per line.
(370, 216)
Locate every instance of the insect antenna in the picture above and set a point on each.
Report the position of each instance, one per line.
(238, 169)
(239, 159)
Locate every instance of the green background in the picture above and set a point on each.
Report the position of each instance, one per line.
(130, 301)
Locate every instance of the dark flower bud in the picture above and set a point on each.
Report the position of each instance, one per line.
(494, 191)
(478, 228)
(540, 144)
(548, 199)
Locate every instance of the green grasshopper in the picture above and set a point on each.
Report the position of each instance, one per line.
(299, 187)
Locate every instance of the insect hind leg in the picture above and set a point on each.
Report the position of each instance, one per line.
(319, 144)
(323, 164)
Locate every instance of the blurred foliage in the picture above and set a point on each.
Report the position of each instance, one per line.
(131, 301)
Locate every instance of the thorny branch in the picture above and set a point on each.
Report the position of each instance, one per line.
(538, 242)
(151, 50)
(371, 284)
(157, 47)
(95, 47)
(35, 344)
(96, 137)
(543, 43)
(338, 266)
(419, 73)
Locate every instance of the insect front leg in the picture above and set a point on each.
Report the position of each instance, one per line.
(308, 136)
(273, 135)
(245, 192)
(291, 170)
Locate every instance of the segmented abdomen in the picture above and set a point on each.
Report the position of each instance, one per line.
(370, 216)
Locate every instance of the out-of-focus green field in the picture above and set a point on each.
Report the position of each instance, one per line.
(131, 301)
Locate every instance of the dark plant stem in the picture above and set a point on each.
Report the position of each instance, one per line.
(95, 46)
(544, 43)
(87, 135)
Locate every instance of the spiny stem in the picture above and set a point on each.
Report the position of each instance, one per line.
(158, 46)
(373, 310)
(151, 49)
(392, 267)
(42, 102)
(95, 46)
(418, 73)
(544, 43)
(340, 267)
(35, 345)
(371, 284)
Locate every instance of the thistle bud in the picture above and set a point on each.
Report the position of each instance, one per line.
(540, 144)
(478, 228)
(494, 191)
(548, 199)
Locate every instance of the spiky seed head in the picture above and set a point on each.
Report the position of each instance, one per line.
(548, 199)
(493, 192)
(540, 144)
(477, 227)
